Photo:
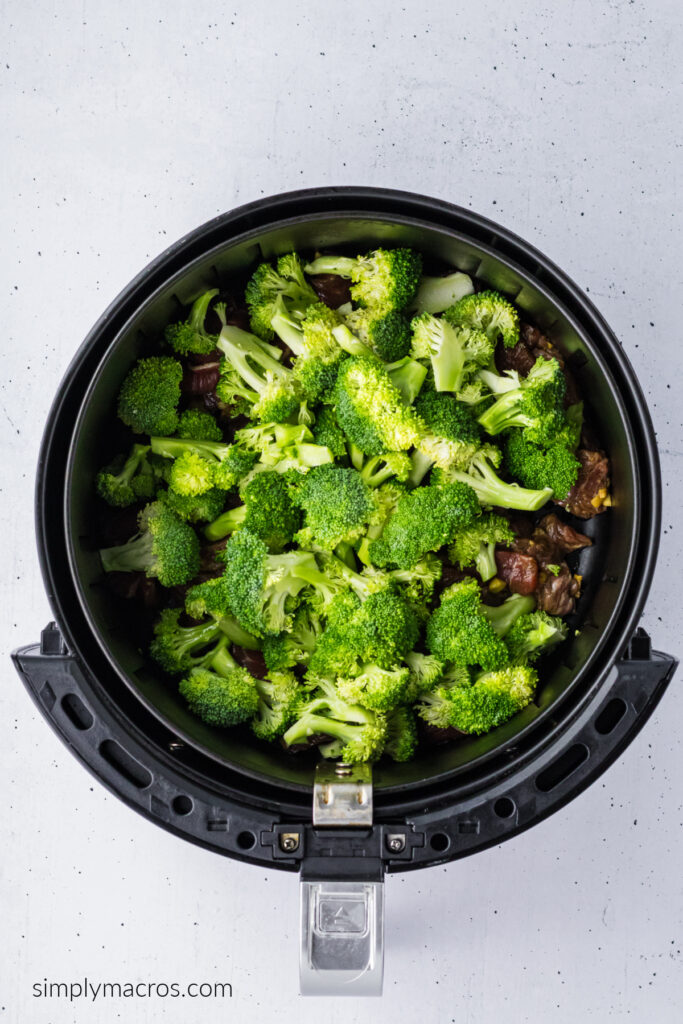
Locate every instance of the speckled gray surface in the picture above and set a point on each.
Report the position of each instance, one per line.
(126, 125)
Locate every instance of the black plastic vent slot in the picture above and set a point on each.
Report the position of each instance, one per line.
(124, 764)
(610, 716)
(76, 711)
(562, 768)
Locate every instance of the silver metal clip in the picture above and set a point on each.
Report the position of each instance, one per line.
(342, 795)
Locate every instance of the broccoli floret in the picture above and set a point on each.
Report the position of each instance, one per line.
(460, 632)
(417, 584)
(178, 648)
(166, 548)
(362, 732)
(380, 689)
(377, 469)
(438, 293)
(191, 475)
(224, 694)
(211, 598)
(434, 705)
(401, 738)
(295, 646)
(452, 436)
(190, 335)
(387, 334)
(387, 497)
(492, 700)
(279, 393)
(475, 544)
(278, 703)
(197, 425)
(481, 476)
(127, 479)
(262, 587)
(488, 312)
(455, 353)
(268, 285)
(202, 508)
(407, 376)
(220, 465)
(149, 396)
(328, 433)
(425, 672)
(503, 616)
(533, 635)
(555, 467)
(370, 410)
(313, 341)
(425, 519)
(267, 511)
(534, 402)
(384, 279)
(337, 506)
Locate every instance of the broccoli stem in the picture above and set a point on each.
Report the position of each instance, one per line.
(287, 331)
(237, 635)
(376, 471)
(341, 265)
(239, 347)
(223, 662)
(345, 553)
(133, 556)
(438, 293)
(350, 343)
(503, 617)
(356, 456)
(491, 490)
(421, 466)
(408, 376)
(485, 561)
(504, 413)
(226, 523)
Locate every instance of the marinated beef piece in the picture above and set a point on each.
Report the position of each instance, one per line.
(134, 586)
(564, 537)
(196, 359)
(539, 546)
(519, 571)
(522, 525)
(331, 289)
(235, 313)
(518, 358)
(590, 494)
(251, 660)
(557, 595)
(539, 344)
(200, 380)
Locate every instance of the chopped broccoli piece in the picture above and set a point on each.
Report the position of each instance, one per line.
(267, 512)
(224, 694)
(401, 738)
(279, 393)
(555, 467)
(533, 635)
(387, 334)
(149, 396)
(191, 475)
(370, 410)
(481, 476)
(337, 506)
(436, 294)
(491, 700)
(293, 647)
(166, 548)
(268, 285)
(328, 433)
(503, 616)
(407, 376)
(377, 469)
(190, 335)
(361, 731)
(451, 439)
(179, 648)
(196, 425)
(459, 631)
(533, 402)
(202, 508)
(475, 544)
(380, 689)
(425, 519)
(279, 696)
(455, 353)
(384, 279)
(488, 312)
(425, 673)
(222, 465)
(126, 479)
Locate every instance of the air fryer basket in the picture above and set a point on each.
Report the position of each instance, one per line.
(224, 789)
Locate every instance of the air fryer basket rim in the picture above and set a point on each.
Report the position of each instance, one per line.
(615, 642)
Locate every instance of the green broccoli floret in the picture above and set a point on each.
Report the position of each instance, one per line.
(438, 293)
(149, 396)
(127, 479)
(384, 279)
(262, 587)
(212, 598)
(425, 672)
(434, 705)
(179, 648)
(476, 544)
(380, 689)
(337, 506)
(387, 497)
(328, 433)
(377, 469)
(191, 475)
(283, 447)
(190, 335)
(197, 425)
(459, 631)
(387, 334)
(213, 464)
(362, 732)
(425, 519)
(201, 508)
(224, 694)
(295, 646)
(488, 312)
(534, 402)
(492, 700)
(401, 738)
(407, 376)
(279, 393)
(455, 353)
(555, 467)
(417, 583)
(268, 512)
(268, 285)
(279, 697)
(452, 437)
(503, 616)
(312, 339)
(533, 635)
(370, 409)
(481, 476)
(166, 548)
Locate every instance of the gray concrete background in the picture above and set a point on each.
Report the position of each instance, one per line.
(124, 126)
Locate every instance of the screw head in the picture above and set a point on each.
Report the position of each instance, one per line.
(174, 747)
(289, 842)
(396, 843)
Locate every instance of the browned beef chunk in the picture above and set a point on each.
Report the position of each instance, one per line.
(331, 289)
(557, 595)
(520, 572)
(564, 537)
(196, 359)
(518, 358)
(539, 546)
(251, 660)
(540, 344)
(200, 380)
(588, 497)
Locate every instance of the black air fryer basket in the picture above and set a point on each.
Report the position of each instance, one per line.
(260, 804)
